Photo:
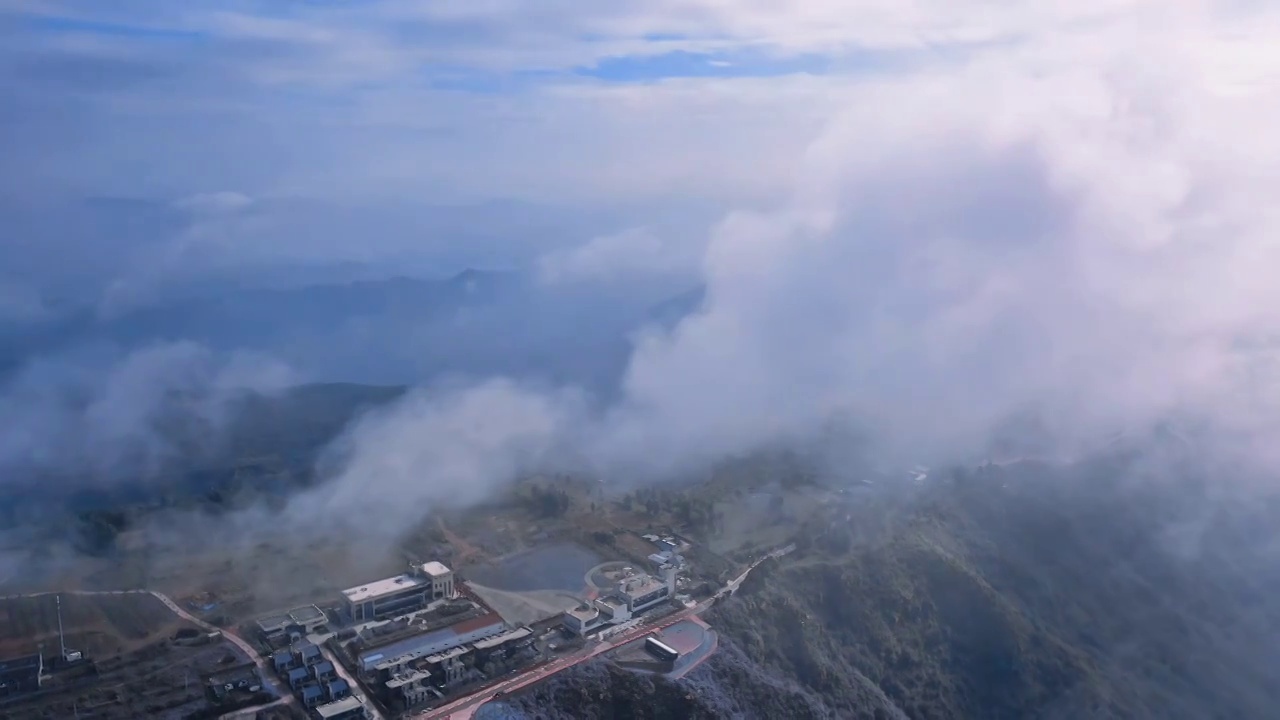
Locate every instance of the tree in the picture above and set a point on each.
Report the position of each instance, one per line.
(549, 502)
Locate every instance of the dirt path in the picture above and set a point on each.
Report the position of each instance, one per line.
(733, 585)
(466, 551)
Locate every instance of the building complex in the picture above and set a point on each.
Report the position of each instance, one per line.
(390, 656)
(401, 594)
(315, 681)
(632, 596)
(418, 635)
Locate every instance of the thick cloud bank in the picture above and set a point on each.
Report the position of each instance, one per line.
(971, 245)
(1081, 230)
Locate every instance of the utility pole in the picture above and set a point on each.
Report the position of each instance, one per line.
(62, 642)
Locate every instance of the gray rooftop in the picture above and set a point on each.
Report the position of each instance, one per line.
(25, 663)
(383, 588)
(332, 709)
(505, 637)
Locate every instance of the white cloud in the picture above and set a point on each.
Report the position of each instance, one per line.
(628, 255)
(443, 447)
(829, 26)
(1075, 212)
(1078, 225)
(1070, 226)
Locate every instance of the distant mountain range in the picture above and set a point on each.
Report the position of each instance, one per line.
(353, 345)
(396, 330)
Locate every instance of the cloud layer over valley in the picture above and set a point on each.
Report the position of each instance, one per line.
(934, 220)
(102, 419)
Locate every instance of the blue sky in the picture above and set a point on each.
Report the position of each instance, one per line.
(61, 24)
(680, 63)
(657, 56)
(138, 68)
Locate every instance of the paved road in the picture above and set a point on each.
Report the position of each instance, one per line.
(285, 697)
(355, 687)
(733, 585)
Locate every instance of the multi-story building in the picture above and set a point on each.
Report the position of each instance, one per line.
(632, 596)
(441, 579)
(644, 591)
(401, 594)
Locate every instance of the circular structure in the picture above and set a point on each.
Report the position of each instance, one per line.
(606, 575)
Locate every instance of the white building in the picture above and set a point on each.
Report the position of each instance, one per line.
(632, 596)
(401, 594)
(582, 619)
(441, 579)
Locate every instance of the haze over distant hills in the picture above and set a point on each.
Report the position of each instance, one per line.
(393, 330)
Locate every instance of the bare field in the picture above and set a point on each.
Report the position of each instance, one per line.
(132, 668)
(98, 625)
(157, 680)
